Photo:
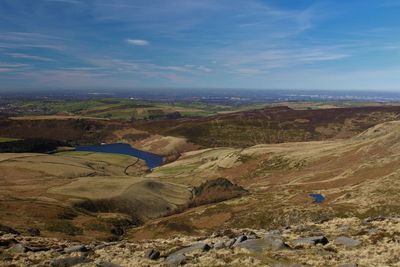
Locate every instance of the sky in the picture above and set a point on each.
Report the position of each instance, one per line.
(266, 44)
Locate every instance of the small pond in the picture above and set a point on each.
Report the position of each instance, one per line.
(152, 160)
(318, 198)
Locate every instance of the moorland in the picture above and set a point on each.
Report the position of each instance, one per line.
(233, 189)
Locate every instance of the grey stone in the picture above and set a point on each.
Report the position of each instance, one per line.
(219, 245)
(8, 242)
(310, 241)
(106, 264)
(152, 254)
(270, 242)
(349, 265)
(77, 248)
(175, 259)
(8, 230)
(178, 257)
(347, 241)
(252, 236)
(69, 261)
(286, 265)
(17, 248)
(101, 246)
(275, 242)
(239, 240)
(37, 249)
(230, 242)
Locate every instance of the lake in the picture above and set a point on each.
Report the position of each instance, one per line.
(152, 160)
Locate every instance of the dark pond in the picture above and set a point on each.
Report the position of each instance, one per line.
(318, 198)
(152, 160)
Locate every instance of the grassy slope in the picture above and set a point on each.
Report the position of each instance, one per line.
(358, 177)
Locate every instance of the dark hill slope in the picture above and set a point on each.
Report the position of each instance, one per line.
(274, 125)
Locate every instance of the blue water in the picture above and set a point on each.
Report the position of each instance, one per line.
(318, 198)
(152, 160)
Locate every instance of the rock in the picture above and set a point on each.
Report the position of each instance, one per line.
(33, 231)
(101, 246)
(175, 260)
(286, 265)
(68, 261)
(239, 240)
(270, 242)
(17, 248)
(230, 242)
(106, 264)
(152, 254)
(8, 230)
(178, 257)
(275, 241)
(349, 265)
(77, 248)
(219, 245)
(310, 241)
(37, 249)
(347, 241)
(251, 235)
(8, 242)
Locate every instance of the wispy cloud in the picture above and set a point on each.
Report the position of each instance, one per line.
(138, 42)
(29, 57)
(26, 40)
(12, 67)
(74, 2)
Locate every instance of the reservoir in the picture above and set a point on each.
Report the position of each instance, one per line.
(152, 160)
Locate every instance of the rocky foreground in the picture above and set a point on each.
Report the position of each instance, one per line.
(337, 242)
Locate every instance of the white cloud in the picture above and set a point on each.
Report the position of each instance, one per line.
(138, 42)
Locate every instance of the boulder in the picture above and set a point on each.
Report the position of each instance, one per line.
(270, 242)
(8, 242)
(8, 230)
(18, 248)
(152, 254)
(230, 242)
(69, 261)
(239, 240)
(219, 245)
(275, 241)
(347, 241)
(310, 241)
(76, 248)
(106, 264)
(37, 249)
(178, 257)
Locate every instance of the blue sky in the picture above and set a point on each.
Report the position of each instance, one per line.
(288, 44)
